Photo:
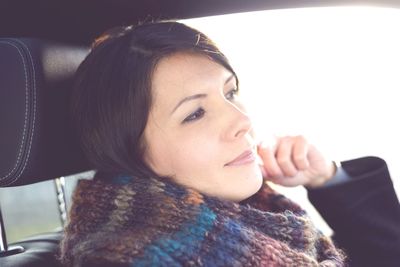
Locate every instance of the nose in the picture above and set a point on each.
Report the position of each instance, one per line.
(239, 123)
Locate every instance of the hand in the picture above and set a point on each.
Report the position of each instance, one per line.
(292, 161)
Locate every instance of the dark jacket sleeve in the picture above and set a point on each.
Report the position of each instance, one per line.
(364, 213)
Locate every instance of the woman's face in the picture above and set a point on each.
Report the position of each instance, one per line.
(198, 132)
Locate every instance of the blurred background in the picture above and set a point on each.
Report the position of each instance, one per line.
(330, 74)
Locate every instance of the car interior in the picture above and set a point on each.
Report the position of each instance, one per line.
(42, 43)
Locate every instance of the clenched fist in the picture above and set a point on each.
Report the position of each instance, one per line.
(292, 161)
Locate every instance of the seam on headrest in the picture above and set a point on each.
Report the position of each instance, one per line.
(34, 110)
(26, 112)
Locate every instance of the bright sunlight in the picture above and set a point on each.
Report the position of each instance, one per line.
(331, 74)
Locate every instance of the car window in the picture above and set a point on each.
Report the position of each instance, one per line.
(331, 74)
(33, 209)
(29, 209)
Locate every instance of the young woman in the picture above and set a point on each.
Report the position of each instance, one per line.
(180, 179)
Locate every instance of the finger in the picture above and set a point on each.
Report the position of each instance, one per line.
(264, 172)
(300, 151)
(284, 156)
(267, 154)
(261, 165)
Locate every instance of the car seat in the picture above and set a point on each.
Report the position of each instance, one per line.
(36, 140)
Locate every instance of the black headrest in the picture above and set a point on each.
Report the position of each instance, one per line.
(36, 139)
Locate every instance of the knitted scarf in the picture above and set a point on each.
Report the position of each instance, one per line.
(131, 221)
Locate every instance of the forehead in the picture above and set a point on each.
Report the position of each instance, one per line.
(182, 74)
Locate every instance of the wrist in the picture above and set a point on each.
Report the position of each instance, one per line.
(331, 172)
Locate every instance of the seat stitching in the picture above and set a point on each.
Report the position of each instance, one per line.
(26, 109)
(34, 111)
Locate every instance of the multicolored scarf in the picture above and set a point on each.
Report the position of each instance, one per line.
(131, 221)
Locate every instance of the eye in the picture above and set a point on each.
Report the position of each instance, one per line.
(232, 93)
(195, 115)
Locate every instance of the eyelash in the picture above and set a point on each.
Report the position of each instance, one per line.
(199, 113)
(232, 92)
(195, 115)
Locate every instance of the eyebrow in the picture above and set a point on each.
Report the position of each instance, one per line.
(197, 96)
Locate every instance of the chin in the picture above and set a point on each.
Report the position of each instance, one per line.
(258, 182)
(253, 185)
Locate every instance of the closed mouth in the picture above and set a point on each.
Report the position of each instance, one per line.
(246, 157)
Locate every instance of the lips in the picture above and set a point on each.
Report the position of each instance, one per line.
(245, 158)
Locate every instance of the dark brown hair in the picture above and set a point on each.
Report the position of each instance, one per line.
(112, 92)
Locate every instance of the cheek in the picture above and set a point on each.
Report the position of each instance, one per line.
(184, 155)
(195, 157)
(156, 149)
(155, 157)
(199, 153)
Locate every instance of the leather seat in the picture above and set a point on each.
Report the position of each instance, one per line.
(39, 251)
(36, 140)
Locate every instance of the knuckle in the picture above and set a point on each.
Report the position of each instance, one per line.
(301, 138)
(282, 160)
(287, 139)
(273, 172)
(299, 158)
